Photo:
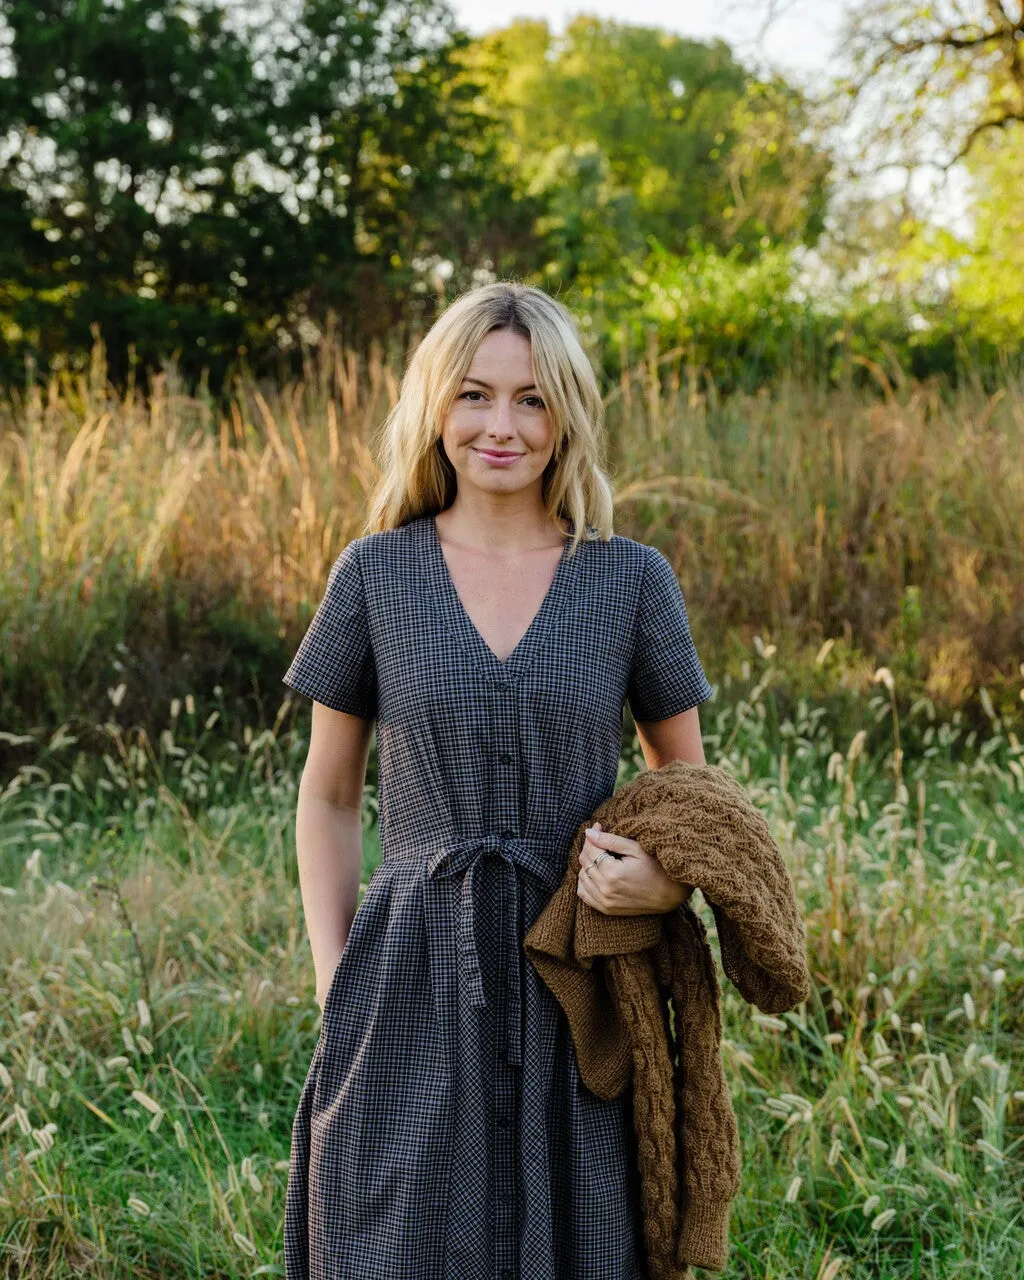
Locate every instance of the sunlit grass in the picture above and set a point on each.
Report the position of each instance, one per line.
(157, 1012)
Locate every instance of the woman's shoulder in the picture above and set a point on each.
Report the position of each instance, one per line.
(390, 556)
(380, 544)
(620, 552)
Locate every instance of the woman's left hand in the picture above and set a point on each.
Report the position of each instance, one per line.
(632, 884)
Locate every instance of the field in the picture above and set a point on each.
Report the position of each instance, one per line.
(852, 559)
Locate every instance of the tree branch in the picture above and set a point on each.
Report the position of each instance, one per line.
(997, 122)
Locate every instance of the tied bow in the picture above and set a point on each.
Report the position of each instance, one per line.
(463, 857)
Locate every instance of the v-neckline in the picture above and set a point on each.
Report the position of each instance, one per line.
(461, 624)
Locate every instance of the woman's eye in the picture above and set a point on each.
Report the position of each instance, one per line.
(538, 402)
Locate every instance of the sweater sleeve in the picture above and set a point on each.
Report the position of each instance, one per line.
(706, 832)
(738, 868)
(711, 1158)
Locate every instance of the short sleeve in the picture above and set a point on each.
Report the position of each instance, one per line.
(334, 662)
(666, 676)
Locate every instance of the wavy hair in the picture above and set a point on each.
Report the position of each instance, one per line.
(416, 476)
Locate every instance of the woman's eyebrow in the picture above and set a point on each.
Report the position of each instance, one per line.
(531, 387)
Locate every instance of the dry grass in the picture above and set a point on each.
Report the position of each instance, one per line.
(890, 521)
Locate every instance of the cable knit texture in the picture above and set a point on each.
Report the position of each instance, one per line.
(617, 977)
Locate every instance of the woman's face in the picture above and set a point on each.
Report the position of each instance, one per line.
(499, 414)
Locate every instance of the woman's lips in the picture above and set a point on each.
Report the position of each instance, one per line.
(498, 459)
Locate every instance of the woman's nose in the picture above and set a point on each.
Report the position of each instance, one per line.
(501, 419)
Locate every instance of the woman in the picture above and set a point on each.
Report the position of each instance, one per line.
(492, 626)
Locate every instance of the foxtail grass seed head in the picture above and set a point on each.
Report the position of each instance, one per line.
(244, 1243)
(944, 1175)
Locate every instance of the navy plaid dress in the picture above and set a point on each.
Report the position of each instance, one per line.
(443, 1131)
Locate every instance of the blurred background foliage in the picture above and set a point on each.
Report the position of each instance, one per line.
(207, 182)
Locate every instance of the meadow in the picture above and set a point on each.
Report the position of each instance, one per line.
(156, 537)
(852, 562)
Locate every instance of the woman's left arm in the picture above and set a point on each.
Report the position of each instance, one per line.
(675, 738)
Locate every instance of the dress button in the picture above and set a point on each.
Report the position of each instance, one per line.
(507, 1273)
(506, 1196)
(505, 757)
(504, 1121)
(507, 834)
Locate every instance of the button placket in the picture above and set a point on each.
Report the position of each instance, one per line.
(505, 819)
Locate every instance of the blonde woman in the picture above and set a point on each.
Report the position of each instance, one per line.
(490, 625)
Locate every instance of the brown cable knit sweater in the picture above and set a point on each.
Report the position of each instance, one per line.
(706, 832)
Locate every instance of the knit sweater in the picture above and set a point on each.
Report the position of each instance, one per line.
(614, 975)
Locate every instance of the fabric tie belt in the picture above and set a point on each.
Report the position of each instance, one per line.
(514, 853)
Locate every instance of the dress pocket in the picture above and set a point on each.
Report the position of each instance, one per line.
(366, 909)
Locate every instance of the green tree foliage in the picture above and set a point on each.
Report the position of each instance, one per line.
(188, 180)
(635, 135)
(989, 280)
(114, 114)
(406, 155)
(934, 87)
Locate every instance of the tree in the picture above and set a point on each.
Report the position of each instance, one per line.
(989, 284)
(635, 135)
(126, 127)
(205, 177)
(931, 90)
(933, 78)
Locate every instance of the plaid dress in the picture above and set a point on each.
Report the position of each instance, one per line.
(443, 1131)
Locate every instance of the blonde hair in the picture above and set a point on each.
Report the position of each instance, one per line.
(418, 479)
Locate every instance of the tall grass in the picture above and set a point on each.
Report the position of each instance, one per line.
(157, 1015)
(152, 539)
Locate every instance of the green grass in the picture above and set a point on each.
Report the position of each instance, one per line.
(157, 1012)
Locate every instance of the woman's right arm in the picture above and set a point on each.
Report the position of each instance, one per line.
(329, 834)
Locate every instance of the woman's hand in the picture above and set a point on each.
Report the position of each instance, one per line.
(323, 988)
(632, 884)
